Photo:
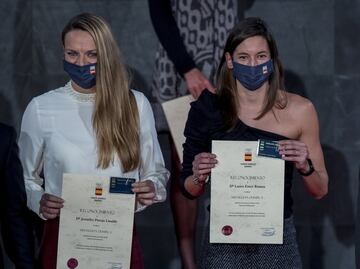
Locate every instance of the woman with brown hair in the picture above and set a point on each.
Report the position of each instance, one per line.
(251, 103)
(92, 125)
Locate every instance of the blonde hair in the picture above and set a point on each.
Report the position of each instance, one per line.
(115, 118)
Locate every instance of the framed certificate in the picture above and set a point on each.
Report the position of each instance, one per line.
(96, 222)
(247, 195)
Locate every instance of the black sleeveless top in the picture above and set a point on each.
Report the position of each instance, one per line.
(206, 123)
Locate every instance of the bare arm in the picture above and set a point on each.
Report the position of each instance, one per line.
(308, 147)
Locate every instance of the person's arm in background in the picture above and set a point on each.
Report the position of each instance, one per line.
(170, 38)
(16, 226)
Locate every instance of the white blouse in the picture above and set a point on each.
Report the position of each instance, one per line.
(57, 137)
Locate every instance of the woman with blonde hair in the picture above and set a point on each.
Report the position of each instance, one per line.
(92, 125)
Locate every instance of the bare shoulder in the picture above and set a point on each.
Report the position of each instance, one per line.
(303, 113)
(299, 106)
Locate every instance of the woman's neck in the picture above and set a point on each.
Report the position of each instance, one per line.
(252, 99)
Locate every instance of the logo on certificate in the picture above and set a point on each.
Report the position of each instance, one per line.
(98, 189)
(100, 193)
(248, 156)
(72, 263)
(227, 230)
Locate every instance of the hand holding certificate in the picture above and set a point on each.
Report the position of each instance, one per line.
(96, 222)
(247, 195)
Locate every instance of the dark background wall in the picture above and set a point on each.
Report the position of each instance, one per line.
(319, 46)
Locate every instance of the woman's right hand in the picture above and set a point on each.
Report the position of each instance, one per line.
(202, 165)
(50, 206)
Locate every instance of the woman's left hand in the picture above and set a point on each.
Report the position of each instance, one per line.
(296, 151)
(145, 191)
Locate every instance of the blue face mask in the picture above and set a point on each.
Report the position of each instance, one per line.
(84, 76)
(253, 77)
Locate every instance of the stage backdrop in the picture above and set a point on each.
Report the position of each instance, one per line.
(319, 46)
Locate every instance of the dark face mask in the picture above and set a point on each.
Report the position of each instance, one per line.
(253, 77)
(84, 76)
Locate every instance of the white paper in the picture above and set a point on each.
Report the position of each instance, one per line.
(176, 113)
(95, 226)
(247, 195)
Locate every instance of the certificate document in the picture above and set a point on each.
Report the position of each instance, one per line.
(247, 195)
(176, 113)
(96, 222)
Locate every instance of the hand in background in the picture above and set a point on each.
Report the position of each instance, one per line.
(196, 82)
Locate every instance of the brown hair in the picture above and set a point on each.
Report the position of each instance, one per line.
(226, 83)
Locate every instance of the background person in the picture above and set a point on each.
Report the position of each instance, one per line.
(16, 230)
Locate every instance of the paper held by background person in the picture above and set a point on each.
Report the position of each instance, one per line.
(247, 195)
(96, 222)
(176, 112)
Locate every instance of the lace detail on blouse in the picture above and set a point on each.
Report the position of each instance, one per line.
(78, 96)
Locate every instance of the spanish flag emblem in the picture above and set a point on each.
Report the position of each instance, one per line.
(248, 157)
(265, 70)
(98, 190)
(92, 70)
